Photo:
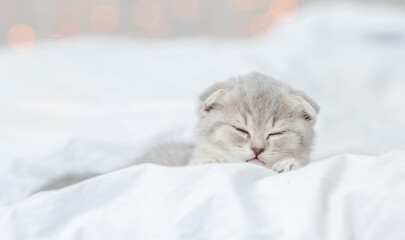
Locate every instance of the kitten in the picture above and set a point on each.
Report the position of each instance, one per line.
(252, 118)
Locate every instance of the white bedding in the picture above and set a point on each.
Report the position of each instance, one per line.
(93, 104)
(344, 197)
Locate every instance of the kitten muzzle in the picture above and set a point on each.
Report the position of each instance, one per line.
(255, 161)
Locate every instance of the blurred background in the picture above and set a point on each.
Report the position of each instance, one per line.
(35, 20)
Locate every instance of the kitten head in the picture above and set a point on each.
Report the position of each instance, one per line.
(256, 119)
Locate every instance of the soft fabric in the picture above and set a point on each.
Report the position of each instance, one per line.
(343, 197)
(92, 105)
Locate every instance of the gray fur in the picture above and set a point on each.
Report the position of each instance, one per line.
(259, 105)
(256, 103)
(169, 154)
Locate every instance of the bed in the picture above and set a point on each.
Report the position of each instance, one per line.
(93, 104)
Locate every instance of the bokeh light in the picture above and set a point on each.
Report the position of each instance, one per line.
(284, 10)
(55, 36)
(186, 10)
(146, 13)
(21, 37)
(249, 5)
(68, 28)
(261, 23)
(104, 19)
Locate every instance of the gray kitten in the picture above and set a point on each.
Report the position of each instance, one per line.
(252, 118)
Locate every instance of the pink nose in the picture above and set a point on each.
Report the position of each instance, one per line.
(257, 151)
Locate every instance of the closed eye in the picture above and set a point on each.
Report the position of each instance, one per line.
(241, 130)
(276, 133)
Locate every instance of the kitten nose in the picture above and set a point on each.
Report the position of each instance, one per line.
(257, 151)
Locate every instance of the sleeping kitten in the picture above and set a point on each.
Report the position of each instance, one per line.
(253, 119)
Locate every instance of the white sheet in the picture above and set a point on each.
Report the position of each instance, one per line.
(93, 104)
(344, 197)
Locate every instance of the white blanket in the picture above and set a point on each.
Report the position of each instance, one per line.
(344, 197)
(94, 104)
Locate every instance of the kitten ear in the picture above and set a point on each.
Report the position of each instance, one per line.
(215, 98)
(309, 108)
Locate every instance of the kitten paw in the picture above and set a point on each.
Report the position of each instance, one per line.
(286, 165)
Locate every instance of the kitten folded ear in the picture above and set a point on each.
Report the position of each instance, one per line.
(216, 98)
(308, 107)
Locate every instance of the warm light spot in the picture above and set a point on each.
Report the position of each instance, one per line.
(260, 23)
(68, 28)
(186, 10)
(21, 37)
(284, 10)
(104, 19)
(249, 5)
(146, 13)
(55, 36)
